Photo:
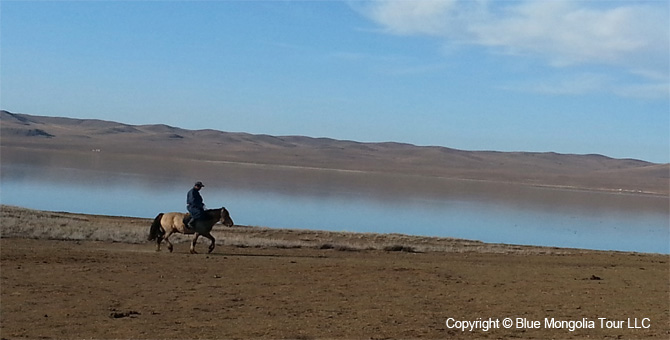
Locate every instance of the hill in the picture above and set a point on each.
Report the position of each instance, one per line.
(543, 169)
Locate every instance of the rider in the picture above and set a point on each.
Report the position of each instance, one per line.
(194, 204)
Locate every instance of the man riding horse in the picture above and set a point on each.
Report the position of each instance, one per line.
(194, 204)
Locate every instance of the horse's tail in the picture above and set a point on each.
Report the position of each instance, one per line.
(155, 230)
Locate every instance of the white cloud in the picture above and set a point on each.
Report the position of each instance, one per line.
(569, 33)
(412, 17)
(645, 91)
(578, 84)
(633, 36)
(590, 83)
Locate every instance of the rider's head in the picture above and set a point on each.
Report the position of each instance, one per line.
(198, 185)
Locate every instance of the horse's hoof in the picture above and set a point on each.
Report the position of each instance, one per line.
(193, 251)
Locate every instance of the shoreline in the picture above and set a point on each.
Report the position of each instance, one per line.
(20, 222)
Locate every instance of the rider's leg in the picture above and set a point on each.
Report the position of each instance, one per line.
(195, 214)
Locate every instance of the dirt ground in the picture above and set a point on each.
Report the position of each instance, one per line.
(85, 289)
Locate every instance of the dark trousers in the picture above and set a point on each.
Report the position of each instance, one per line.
(196, 213)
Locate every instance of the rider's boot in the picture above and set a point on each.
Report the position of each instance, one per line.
(191, 224)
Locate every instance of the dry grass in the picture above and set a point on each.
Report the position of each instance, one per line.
(16, 222)
(25, 223)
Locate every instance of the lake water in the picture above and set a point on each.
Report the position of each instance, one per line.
(338, 201)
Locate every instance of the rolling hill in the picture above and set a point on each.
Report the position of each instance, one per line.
(542, 169)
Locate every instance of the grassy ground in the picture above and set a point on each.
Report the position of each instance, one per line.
(27, 223)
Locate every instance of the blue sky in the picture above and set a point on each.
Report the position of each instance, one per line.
(570, 77)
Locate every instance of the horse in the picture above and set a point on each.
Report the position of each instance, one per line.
(165, 224)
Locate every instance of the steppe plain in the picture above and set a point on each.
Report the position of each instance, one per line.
(66, 275)
(299, 284)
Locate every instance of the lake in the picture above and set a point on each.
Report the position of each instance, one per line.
(281, 197)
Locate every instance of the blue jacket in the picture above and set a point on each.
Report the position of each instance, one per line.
(194, 200)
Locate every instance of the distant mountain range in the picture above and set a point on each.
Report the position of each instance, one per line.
(531, 168)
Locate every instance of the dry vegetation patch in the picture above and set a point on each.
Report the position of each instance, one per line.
(17, 222)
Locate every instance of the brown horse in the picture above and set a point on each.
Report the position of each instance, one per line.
(165, 224)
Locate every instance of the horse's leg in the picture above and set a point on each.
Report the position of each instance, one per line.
(165, 238)
(159, 239)
(195, 239)
(211, 238)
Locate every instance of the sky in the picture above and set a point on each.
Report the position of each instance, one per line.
(579, 77)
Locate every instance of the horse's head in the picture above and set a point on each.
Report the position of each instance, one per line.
(225, 218)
